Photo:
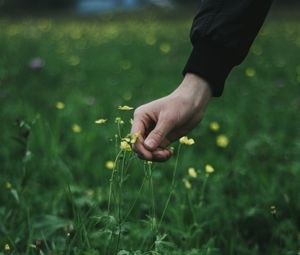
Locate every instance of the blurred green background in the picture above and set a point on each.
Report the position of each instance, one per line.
(61, 71)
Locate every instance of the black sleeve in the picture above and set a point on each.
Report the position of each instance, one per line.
(221, 34)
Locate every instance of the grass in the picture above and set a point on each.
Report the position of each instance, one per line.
(57, 195)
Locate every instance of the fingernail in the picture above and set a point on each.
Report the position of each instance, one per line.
(150, 143)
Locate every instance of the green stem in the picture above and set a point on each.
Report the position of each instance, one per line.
(154, 226)
(139, 192)
(111, 181)
(202, 191)
(120, 191)
(172, 187)
(191, 206)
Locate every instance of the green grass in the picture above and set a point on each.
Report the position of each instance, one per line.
(55, 188)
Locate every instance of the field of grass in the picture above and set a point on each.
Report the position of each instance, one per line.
(67, 188)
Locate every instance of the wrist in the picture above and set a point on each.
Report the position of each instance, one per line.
(196, 83)
(195, 89)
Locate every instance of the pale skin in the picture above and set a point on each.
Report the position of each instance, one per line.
(165, 120)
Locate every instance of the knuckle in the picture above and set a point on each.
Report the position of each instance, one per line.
(138, 111)
(141, 108)
(170, 117)
(158, 133)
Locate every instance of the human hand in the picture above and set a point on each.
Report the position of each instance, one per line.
(165, 120)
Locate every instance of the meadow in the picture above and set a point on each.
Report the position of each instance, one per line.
(68, 187)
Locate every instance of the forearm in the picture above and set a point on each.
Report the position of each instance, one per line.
(221, 34)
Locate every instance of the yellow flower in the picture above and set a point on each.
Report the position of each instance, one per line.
(214, 126)
(126, 139)
(8, 185)
(60, 105)
(101, 121)
(125, 146)
(186, 140)
(250, 72)
(118, 120)
(110, 164)
(125, 65)
(89, 193)
(209, 169)
(192, 172)
(74, 60)
(187, 183)
(125, 108)
(222, 141)
(273, 209)
(134, 137)
(76, 128)
(257, 50)
(150, 40)
(149, 163)
(7, 247)
(127, 96)
(165, 48)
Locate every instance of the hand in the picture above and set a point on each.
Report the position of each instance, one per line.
(165, 120)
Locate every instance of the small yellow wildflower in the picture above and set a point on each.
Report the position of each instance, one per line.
(192, 172)
(60, 105)
(257, 50)
(273, 209)
(187, 183)
(89, 193)
(118, 120)
(150, 40)
(126, 139)
(7, 247)
(74, 60)
(134, 137)
(101, 121)
(125, 65)
(110, 164)
(149, 163)
(76, 128)
(209, 169)
(250, 72)
(127, 96)
(125, 108)
(222, 141)
(214, 126)
(8, 185)
(186, 140)
(125, 146)
(165, 48)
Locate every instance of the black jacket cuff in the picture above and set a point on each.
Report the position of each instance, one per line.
(212, 63)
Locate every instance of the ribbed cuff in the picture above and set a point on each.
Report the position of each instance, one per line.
(212, 63)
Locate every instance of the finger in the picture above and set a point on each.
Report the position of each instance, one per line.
(161, 155)
(138, 126)
(165, 143)
(156, 136)
(140, 149)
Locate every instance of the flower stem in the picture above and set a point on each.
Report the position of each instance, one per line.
(172, 187)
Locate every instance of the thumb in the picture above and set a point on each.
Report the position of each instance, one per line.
(158, 134)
